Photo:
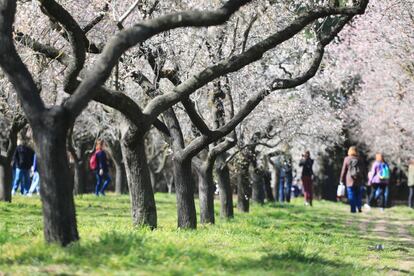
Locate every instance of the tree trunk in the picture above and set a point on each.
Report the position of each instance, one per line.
(5, 181)
(121, 183)
(257, 187)
(57, 183)
(225, 190)
(243, 193)
(268, 189)
(143, 207)
(206, 193)
(80, 177)
(184, 186)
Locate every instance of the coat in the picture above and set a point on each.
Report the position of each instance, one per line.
(345, 174)
(374, 177)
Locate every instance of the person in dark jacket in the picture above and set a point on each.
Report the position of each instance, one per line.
(307, 173)
(285, 180)
(22, 162)
(102, 173)
(352, 176)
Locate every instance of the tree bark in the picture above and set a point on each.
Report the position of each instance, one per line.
(57, 183)
(243, 193)
(257, 187)
(225, 190)
(268, 189)
(79, 177)
(143, 206)
(5, 181)
(184, 186)
(121, 182)
(206, 193)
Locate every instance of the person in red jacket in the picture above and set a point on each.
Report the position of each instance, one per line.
(352, 175)
(101, 171)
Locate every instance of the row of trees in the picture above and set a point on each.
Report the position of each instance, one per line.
(153, 73)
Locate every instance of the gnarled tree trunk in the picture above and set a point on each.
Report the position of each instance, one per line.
(258, 192)
(243, 190)
(143, 206)
(206, 193)
(5, 181)
(57, 183)
(268, 189)
(121, 183)
(79, 176)
(184, 189)
(225, 190)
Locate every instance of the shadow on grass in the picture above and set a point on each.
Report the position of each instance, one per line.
(140, 251)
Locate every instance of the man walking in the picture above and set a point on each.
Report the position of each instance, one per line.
(22, 162)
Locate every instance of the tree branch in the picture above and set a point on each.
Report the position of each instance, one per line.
(254, 53)
(96, 20)
(77, 39)
(197, 144)
(139, 33)
(47, 50)
(13, 66)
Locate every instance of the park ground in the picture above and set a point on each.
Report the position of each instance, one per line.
(271, 240)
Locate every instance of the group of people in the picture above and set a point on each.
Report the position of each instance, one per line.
(286, 176)
(354, 177)
(26, 175)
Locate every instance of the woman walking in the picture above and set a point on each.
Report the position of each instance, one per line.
(352, 175)
(307, 173)
(102, 173)
(379, 178)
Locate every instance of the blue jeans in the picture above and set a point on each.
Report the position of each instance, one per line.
(99, 180)
(285, 190)
(355, 197)
(383, 191)
(22, 178)
(35, 187)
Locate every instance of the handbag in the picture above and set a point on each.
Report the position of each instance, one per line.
(340, 192)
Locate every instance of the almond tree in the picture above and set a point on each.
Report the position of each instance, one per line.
(51, 124)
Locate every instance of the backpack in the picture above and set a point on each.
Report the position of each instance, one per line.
(93, 164)
(384, 171)
(355, 169)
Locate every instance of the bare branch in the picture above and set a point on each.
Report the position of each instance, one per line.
(96, 20)
(137, 34)
(77, 39)
(13, 66)
(237, 62)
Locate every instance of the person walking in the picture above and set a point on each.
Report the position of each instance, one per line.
(411, 183)
(101, 169)
(352, 175)
(22, 162)
(285, 180)
(379, 178)
(307, 173)
(35, 186)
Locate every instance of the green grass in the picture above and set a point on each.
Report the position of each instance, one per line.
(271, 240)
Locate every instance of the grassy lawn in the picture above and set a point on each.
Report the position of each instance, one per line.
(271, 240)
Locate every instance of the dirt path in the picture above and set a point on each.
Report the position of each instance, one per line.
(394, 232)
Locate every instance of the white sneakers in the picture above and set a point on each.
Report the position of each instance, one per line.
(366, 206)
